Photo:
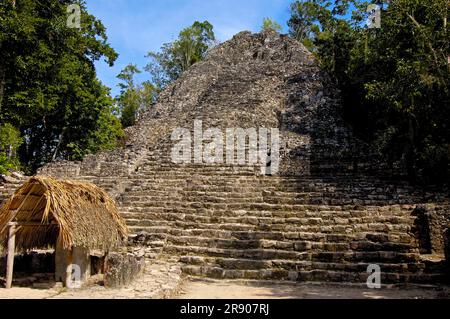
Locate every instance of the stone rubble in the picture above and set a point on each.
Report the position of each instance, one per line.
(161, 280)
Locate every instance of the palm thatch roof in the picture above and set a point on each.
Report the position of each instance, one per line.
(47, 210)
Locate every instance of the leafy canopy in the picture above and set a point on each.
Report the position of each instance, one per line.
(10, 141)
(176, 57)
(394, 80)
(134, 98)
(269, 24)
(49, 89)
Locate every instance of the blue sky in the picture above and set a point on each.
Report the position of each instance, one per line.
(135, 27)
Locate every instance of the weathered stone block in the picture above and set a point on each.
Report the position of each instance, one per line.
(302, 246)
(430, 225)
(122, 269)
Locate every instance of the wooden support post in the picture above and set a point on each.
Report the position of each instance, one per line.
(10, 258)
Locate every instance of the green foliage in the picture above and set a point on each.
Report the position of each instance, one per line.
(176, 57)
(7, 163)
(133, 98)
(48, 84)
(269, 24)
(394, 80)
(9, 138)
(318, 21)
(128, 101)
(408, 84)
(10, 141)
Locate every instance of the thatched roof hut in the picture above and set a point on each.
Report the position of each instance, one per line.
(50, 212)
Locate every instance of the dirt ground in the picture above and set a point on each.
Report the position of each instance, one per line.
(160, 280)
(192, 288)
(210, 289)
(27, 293)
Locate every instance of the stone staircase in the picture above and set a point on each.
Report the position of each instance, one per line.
(229, 222)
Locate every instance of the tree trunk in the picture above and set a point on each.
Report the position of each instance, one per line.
(10, 257)
(410, 153)
(10, 151)
(55, 153)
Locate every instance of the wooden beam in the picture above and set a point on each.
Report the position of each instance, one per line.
(10, 258)
(17, 210)
(29, 195)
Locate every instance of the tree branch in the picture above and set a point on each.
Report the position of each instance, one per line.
(430, 46)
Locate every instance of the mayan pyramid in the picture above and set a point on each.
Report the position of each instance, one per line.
(326, 215)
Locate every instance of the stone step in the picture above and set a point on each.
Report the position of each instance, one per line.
(333, 243)
(248, 204)
(348, 183)
(344, 182)
(315, 256)
(262, 182)
(313, 226)
(253, 216)
(187, 220)
(317, 275)
(274, 182)
(292, 199)
(207, 238)
(216, 211)
(280, 238)
(308, 209)
(175, 197)
(294, 265)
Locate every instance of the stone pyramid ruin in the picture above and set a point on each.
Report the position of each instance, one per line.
(327, 214)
